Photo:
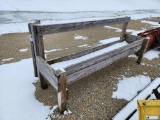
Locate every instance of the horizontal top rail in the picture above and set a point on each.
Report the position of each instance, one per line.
(65, 27)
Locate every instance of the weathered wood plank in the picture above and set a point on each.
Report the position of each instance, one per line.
(132, 38)
(38, 42)
(142, 50)
(56, 28)
(47, 72)
(73, 68)
(39, 51)
(34, 59)
(62, 94)
(84, 72)
(32, 47)
(82, 53)
(124, 27)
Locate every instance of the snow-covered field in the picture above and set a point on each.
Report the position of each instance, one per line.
(18, 21)
(17, 102)
(77, 5)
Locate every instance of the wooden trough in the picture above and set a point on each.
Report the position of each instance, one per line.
(59, 79)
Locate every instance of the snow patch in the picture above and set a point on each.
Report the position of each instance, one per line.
(130, 30)
(53, 113)
(142, 63)
(17, 93)
(79, 37)
(132, 56)
(13, 28)
(114, 28)
(129, 87)
(151, 23)
(151, 54)
(7, 59)
(138, 31)
(154, 53)
(67, 112)
(84, 46)
(23, 50)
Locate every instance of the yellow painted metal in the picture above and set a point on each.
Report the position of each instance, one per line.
(148, 108)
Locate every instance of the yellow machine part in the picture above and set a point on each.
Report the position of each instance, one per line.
(148, 108)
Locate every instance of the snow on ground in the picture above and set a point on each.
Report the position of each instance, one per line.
(7, 59)
(155, 24)
(114, 28)
(17, 93)
(53, 50)
(54, 115)
(84, 46)
(17, 100)
(138, 31)
(126, 90)
(13, 28)
(151, 54)
(154, 53)
(79, 37)
(151, 23)
(77, 5)
(23, 50)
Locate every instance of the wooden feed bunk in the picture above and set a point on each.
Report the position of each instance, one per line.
(59, 79)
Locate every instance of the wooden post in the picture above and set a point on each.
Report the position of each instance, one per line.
(141, 52)
(124, 27)
(39, 50)
(62, 94)
(32, 50)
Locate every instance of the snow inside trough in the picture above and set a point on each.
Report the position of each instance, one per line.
(65, 64)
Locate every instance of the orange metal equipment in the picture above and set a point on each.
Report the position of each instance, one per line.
(153, 35)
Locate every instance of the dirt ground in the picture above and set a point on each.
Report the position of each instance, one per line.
(90, 97)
